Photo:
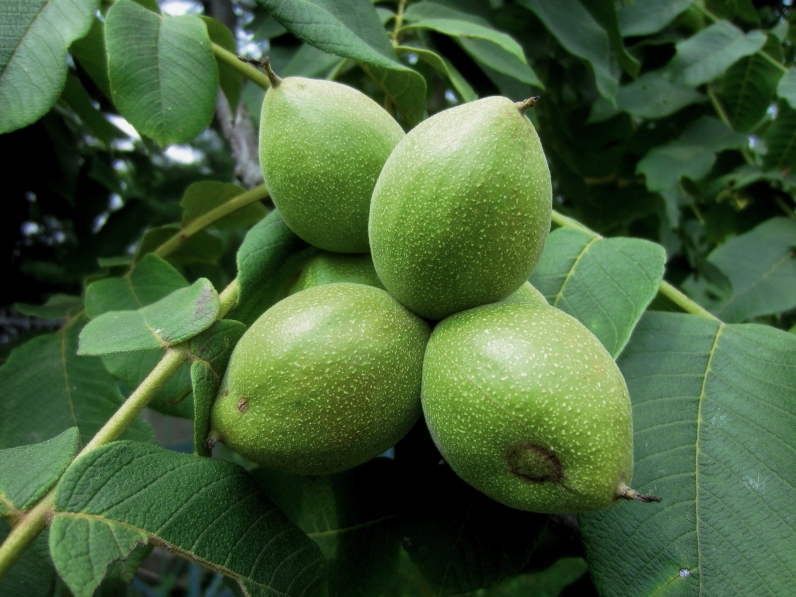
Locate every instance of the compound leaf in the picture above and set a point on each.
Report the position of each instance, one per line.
(714, 420)
(171, 320)
(207, 510)
(34, 37)
(605, 283)
(162, 72)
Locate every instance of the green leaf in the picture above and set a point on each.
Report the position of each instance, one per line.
(211, 349)
(131, 368)
(714, 420)
(605, 283)
(230, 80)
(780, 139)
(749, 86)
(550, 582)
(174, 319)
(310, 62)
(604, 12)
(352, 29)
(268, 259)
(580, 35)
(786, 89)
(642, 17)
(462, 540)
(27, 473)
(201, 247)
(202, 197)
(761, 265)
(207, 510)
(706, 55)
(58, 306)
(352, 516)
(150, 280)
(485, 53)
(692, 155)
(447, 69)
(90, 53)
(654, 96)
(33, 574)
(162, 72)
(34, 37)
(45, 388)
(419, 11)
(458, 28)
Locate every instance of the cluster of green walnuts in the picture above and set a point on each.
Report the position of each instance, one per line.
(438, 229)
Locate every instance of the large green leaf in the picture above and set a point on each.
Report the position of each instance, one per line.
(45, 388)
(174, 319)
(706, 55)
(162, 72)
(692, 155)
(268, 260)
(27, 473)
(604, 12)
(605, 283)
(582, 36)
(761, 265)
(780, 139)
(643, 17)
(34, 37)
(90, 53)
(749, 86)
(211, 350)
(715, 422)
(352, 516)
(352, 29)
(207, 510)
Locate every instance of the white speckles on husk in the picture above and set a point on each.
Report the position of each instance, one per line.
(461, 210)
(322, 147)
(527, 406)
(331, 377)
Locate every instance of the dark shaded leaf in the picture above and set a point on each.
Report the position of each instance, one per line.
(202, 197)
(604, 12)
(643, 17)
(33, 575)
(230, 80)
(780, 139)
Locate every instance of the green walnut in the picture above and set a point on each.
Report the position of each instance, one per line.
(526, 406)
(322, 147)
(461, 210)
(323, 381)
(325, 267)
